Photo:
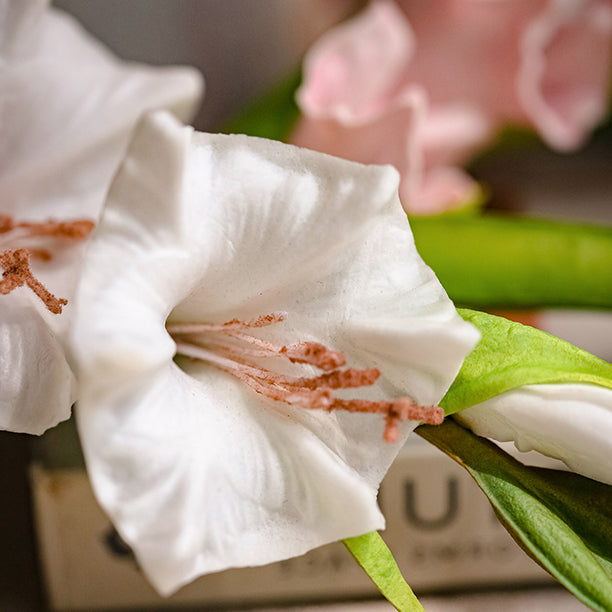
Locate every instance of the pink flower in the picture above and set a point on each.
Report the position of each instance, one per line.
(425, 85)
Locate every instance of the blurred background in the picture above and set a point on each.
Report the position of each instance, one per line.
(239, 46)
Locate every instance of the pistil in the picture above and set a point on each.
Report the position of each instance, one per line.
(20, 239)
(231, 348)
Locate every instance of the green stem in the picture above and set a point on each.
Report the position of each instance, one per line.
(496, 261)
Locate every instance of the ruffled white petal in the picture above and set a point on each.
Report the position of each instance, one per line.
(570, 422)
(209, 228)
(199, 476)
(35, 380)
(67, 110)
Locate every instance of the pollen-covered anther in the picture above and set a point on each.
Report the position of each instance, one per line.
(16, 273)
(6, 223)
(314, 354)
(341, 379)
(230, 348)
(74, 229)
(396, 411)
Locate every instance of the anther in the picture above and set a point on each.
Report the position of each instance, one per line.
(16, 273)
(341, 379)
(314, 354)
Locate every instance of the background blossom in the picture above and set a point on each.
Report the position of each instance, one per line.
(427, 85)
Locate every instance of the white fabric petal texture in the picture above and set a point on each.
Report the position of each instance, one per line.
(67, 108)
(569, 422)
(197, 471)
(36, 382)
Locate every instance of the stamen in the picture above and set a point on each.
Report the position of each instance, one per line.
(73, 230)
(42, 254)
(261, 321)
(198, 328)
(341, 379)
(311, 353)
(231, 349)
(16, 266)
(315, 354)
(6, 223)
(396, 411)
(15, 260)
(261, 380)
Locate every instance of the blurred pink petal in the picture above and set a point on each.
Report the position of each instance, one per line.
(451, 134)
(353, 71)
(561, 85)
(392, 139)
(444, 189)
(475, 66)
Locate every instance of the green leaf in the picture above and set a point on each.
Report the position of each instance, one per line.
(563, 520)
(494, 261)
(511, 355)
(371, 552)
(271, 116)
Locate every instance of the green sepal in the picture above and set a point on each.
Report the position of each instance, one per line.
(502, 261)
(510, 355)
(562, 520)
(373, 555)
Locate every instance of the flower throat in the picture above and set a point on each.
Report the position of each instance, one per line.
(231, 348)
(15, 262)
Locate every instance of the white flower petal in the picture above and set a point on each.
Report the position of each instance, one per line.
(36, 388)
(209, 228)
(570, 422)
(67, 110)
(199, 476)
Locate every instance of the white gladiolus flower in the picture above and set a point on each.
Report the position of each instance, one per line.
(67, 108)
(245, 305)
(569, 422)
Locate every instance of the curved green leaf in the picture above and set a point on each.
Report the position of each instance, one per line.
(494, 261)
(511, 355)
(376, 559)
(562, 520)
